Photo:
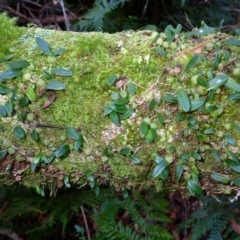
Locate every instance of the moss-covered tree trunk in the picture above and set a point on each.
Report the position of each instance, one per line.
(128, 109)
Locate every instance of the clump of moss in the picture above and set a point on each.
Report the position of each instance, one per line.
(9, 33)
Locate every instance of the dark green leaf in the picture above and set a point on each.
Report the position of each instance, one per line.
(179, 117)
(135, 159)
(209, 131)
(72, 133)
(114, 118)
(62, 72)
(131, 88)
(204, 31)
(233, 156)
(158, 159)
(5, 59)
(191, 64)
(107, 110)
(160, 119)
(217, 59)
(9, 74)
(202, 82)
(157, 170)
(3, 153)
(193, 126)
(168, 97)
(125, 151)
(233, 42)
(112, 79)
(47, 74)
(22, 116)
(183, 100)
(115, 96)
(194, 188)
(34, 135)
(19, 132)
(236, 127)
(217, 81)
(153, 104)
(178, 172)
(164, 174)
(121, 101)
(89, 176)
(23, 102)
(66, 182)
(127, 114)
(55, 85)
(197, 103)
(169, 33)
(20, 64)
(44, 46)
(63, 150)
(77, 145)
(4, 90)
(161, 51)
(107, 151)
(151, 135)
(220, 24)
(59, 51)
(9, 107)
(120, 109)
(232, 84)
(234, 97)
(3, 112)
(144, 127)
(202, 138)
(191, 119)
(229, 139)
(235, 166)
(97, 191)
(216, 155)
(31, 94)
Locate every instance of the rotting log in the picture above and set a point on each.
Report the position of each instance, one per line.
(134, 109)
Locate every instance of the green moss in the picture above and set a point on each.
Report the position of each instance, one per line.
(9, 34)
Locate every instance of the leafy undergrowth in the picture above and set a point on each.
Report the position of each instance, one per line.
(81, 214)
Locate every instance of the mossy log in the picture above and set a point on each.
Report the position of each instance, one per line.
(150, 109)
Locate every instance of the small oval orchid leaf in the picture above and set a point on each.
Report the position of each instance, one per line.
(125, 151)
(62, 72)
(230, 139)
(121, 101)
(204, 31)
(114, 118)
(55, 85)
(9, 74)
(131, 88)
(127, 114)
(3, 154)
(89, 176)
(44, 46)
(217, 82)
(153, 104)
(9, 107)
(31, 94)
(235, 166)
(216, 155)
(19, 132)
(151, 135)
(202, 82)
(59, 51)
(234, 97)
(112, 79)
(3, 112)
(20, 64)
(164, 174)
(232, 84)
(157, 170)
(161, 51)
(66, 182)
(194, 188)
(5, 90)
(191, 64)
(47, 74)
(183, 100)
(107, 110)
(135, 159)
(169, 97)
(178, 172)
(160, 119)
(62, 150)
(220, 178)
(233, 42)
(72, 133)
(34, 135)
(236, 127)
(144, 127)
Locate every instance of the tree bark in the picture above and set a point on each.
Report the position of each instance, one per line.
(140, 109)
